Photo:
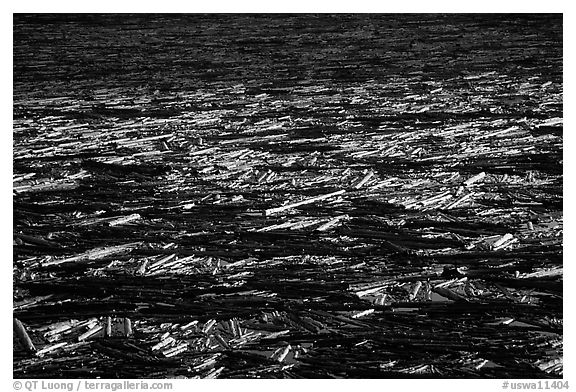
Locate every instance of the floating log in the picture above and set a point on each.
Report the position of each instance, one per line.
(474, 179)
(272, 211)
(23, 337)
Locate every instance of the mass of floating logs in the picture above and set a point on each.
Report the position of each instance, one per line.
(294, 196)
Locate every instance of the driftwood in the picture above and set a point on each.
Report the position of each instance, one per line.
(276, 210)
(23, 337)
(317, 196)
